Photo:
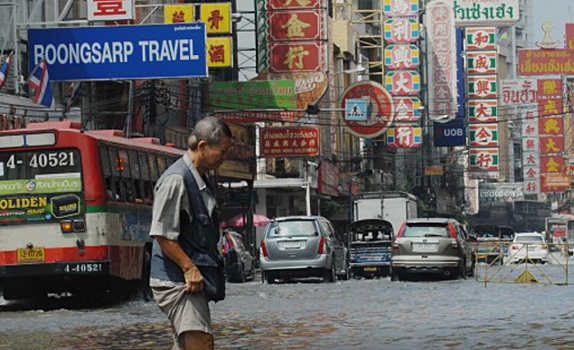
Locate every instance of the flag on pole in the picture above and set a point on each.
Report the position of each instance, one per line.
(5, 69)
(40, 82)
(75, 93)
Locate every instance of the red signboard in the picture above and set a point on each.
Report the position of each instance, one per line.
(545, 62)
(407, 109)
(289, 142)
(554, 183)
(295, 25)
(551, 144)
(570, 36)
(294, 4)
(380, 109)
(551, 126)
(298, 56)
(328, 179)
(551, 164)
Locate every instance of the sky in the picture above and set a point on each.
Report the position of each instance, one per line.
(558, 12)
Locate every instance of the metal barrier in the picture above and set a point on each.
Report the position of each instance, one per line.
(498, 262)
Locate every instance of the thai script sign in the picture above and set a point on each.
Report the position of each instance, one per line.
(44, 185)
(501, 192)
(401, 30)
(393, 8)
(110, 10)
(289, 142)
(120, 52)
(483, 38)
(554, 183)
(516, 92)
(492, 11)
(270, 94)
(545, 62)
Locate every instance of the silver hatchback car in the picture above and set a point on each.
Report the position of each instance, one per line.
(302, 246)
(432, 245)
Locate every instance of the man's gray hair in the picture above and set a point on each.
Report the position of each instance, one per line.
(211, 130)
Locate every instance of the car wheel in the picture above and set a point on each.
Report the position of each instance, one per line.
(463, 272)
(329, 274)
(267, 277)
(395, 275)
(242, 277)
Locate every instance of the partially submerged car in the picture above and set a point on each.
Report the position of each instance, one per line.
(491, 242)
(370, 250)
(529, 247)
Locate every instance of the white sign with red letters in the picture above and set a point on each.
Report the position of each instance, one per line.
(110, 10)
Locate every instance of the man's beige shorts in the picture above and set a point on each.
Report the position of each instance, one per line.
(186, 311)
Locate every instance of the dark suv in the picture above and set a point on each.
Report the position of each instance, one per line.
(432, 245)
(302, 246)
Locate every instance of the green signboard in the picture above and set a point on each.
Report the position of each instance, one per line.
(41, 186)
(252, 95)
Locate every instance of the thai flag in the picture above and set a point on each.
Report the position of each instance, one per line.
(4, 70)
(75, 93)
(40, 82)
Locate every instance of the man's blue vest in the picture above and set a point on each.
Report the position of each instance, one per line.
(198, 238)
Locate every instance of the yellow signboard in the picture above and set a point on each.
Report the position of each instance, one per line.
(217, 17)
(178, 13)
(218, 52)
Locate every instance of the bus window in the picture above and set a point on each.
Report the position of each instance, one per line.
(107, 170)
(126, 182)
(153, 168)
(136, 176)
(144, 166)
(161, 164)
(116, 169)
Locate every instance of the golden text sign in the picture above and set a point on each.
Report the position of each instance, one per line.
(289, 142)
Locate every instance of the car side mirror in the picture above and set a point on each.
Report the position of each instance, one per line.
(316, 234)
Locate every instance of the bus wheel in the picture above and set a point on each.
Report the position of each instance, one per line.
(146, 271)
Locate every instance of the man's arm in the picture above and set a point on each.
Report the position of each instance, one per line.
(193, 277)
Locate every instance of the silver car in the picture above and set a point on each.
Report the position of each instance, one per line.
(302, 246)
(432, 245)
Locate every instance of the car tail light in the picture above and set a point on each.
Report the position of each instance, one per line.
(321, 246)
(454, 241)
(514, 247)
(66, 226)
(264, 249)
(395, 245)
(544, 247)
(402, 229)
(230, 242)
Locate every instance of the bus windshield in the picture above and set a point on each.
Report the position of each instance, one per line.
(40, 185)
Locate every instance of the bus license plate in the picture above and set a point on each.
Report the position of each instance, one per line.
(31, 255)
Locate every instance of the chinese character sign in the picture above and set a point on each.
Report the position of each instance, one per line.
(178, 13)
(295, 25)
(110, 10)
(289, 142)
(219, 52)
(217, 17)
(480, 38)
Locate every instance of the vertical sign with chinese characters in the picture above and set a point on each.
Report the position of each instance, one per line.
(481, 69)
(110, 10)
(402, 79)
(183, 13)
(217, 19)
(551, 136)
(530, 147)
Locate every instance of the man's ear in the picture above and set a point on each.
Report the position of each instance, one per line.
(201, 145)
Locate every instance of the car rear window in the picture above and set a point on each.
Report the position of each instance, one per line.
(426, 230)
(529, 239)
(291, 228)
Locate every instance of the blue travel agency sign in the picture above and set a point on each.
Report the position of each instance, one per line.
(120, 52)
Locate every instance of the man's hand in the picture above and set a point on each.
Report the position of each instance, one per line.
(193, 280)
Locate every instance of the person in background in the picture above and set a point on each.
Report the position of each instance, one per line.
(187, 268)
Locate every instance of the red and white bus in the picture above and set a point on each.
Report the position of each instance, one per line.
(75, 208)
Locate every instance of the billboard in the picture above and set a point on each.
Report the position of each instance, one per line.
(120, 52)
(290, 141)
(472, 12)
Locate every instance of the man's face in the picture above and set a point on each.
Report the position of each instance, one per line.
(213, 156)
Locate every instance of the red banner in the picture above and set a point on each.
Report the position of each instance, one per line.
(289, 142)
(293, 4)
(551, 144)
(545, 62)
(295, 25)
(551, 164)
(299, 56)
(570, 36)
